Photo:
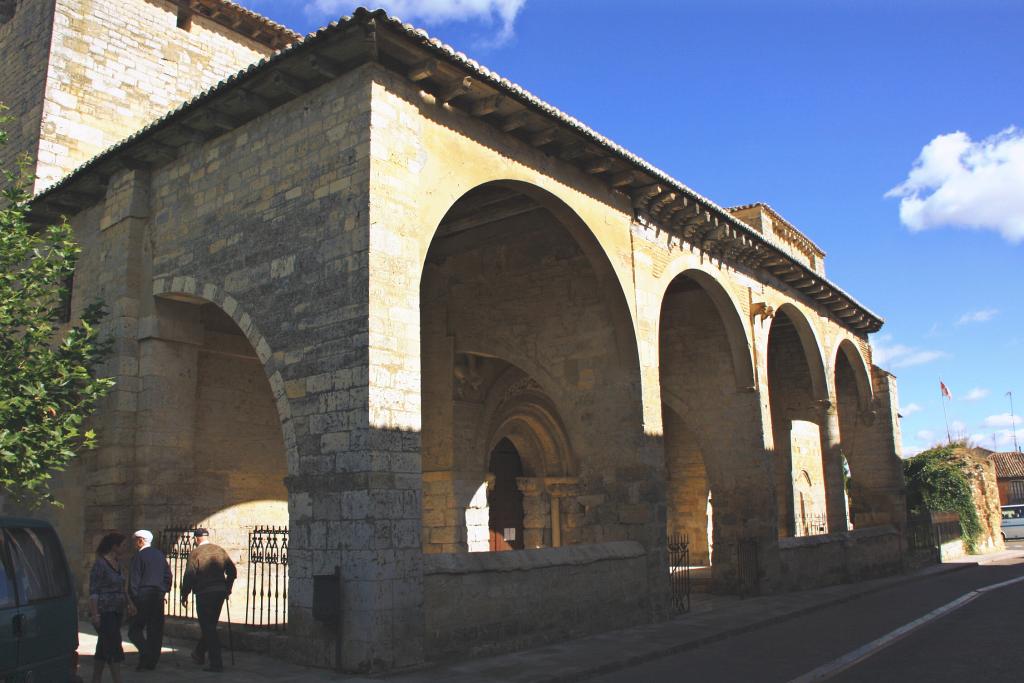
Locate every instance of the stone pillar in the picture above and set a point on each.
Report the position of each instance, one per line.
(832, 467)
(536, 513)
(112, 268)
(561, 491)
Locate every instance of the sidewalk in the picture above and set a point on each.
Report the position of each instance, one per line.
(712, 618)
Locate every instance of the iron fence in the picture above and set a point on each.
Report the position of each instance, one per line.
(811, 525)
(266, 594)
(176, 543)
(747, 567)
(679, 571)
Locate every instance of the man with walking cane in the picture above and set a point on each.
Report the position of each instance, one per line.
(209, 574)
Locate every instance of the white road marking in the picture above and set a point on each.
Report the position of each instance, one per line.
(863, 652)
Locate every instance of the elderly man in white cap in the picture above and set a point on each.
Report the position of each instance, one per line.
(148, 583)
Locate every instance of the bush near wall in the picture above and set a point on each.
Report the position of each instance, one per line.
(939, 480)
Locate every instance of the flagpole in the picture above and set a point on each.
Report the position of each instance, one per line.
(1013, 423)
(942, 399)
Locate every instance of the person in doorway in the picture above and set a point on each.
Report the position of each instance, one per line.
(209, 574)
(108, 603)
(149, 581)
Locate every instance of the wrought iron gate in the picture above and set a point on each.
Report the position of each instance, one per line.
(747, 567)
(679, 571)
(177, 543)
(266, 590)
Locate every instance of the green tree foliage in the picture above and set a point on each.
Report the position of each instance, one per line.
(936, 482)
(48, 385)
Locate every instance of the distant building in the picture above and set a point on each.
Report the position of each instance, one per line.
(1010, 476)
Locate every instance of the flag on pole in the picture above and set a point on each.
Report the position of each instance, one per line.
(945, 390)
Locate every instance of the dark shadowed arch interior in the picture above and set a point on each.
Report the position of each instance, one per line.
(214, 454)
(526, 339)
(796, 389)
(702, 401)
(853, 404)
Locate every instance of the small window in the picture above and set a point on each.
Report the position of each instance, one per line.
(184, 18)
(7, 598)
(39, 565)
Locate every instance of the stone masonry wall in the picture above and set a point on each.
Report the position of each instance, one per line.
(485, 603)
(282, 252)
(117, 65)
(24, 46)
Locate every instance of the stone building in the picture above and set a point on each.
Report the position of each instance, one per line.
(368, 288)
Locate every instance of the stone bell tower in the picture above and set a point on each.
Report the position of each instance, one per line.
(81, 75)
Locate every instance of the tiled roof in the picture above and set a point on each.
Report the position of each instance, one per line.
(298, 56)
(244, 21)
(1009, 465)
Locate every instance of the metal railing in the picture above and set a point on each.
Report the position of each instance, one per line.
(748, 568)
(177, 543)
(679, 571)
(811, 525)
(266, 590)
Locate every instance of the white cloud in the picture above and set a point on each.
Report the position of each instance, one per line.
(958, 427)
(976, 394)
(1002, 420)
(957, 182)
(911, 451)
(890, 355)
(910, 409)
(981, 316)
(925, 435)
(434, 11)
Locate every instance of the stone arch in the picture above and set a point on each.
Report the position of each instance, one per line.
(811, 347)
(710, 424)
(732, 320)
(216, 418)
(798, 400)
(513, 278)
(852, 355)
(611, 288)
(186, 288)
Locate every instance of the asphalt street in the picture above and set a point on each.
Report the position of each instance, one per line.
(967, 645)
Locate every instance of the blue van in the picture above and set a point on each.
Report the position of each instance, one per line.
(38, 613)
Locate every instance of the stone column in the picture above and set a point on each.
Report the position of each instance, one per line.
(536, 513)
(832, 467)
(560, 491)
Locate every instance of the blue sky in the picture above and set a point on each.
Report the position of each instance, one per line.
(820, 109)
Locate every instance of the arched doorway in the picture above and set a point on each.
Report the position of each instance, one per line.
(798, 399)
(210, 447)
(856, 439)
(525, 336)
(504, 499)
(713, 484)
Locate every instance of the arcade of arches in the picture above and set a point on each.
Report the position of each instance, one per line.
(481, 361)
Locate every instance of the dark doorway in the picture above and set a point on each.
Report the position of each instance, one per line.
(504, 500)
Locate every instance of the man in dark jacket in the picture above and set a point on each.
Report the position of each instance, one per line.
(148, 582)
(209, 574)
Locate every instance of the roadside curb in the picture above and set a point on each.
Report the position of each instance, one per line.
(659, 653)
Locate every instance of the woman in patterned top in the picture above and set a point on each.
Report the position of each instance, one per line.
(108, 601)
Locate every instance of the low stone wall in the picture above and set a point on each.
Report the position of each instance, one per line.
(813, 561)
(485, 603)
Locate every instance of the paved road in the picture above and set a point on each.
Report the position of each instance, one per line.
(785, 651)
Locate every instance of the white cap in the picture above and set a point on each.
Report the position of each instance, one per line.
(146, 536)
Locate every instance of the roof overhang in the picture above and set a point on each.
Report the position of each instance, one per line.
(456, 81)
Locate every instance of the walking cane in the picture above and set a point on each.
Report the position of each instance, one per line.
(231, 643)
